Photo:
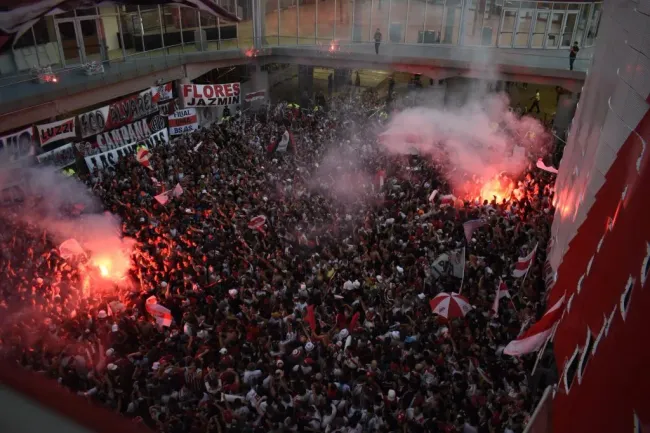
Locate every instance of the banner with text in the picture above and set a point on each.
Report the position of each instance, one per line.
(118, 113)
(182, 121)
(60, 157)
(60, 130)
(137, 131)
(18, 143)
(210, 95)
(109, 158)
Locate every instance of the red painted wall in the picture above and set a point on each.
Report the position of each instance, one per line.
(616, 382)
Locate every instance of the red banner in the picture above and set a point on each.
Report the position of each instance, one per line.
(118, 113)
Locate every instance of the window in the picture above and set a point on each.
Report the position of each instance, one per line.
(600, 335)
(610, 319)
(591, 262)
(579, 288)
(645, 266)
(626, 297)
(600, 243)
(587, 350)
(570, 369)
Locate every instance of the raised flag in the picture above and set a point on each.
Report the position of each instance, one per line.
(20, 18)
(470, 226)
(177, 191)
(162, 315)
(548, 168)
(535, 337)
(524, 263)
(71, 248)
(502, 292)
(447, 200)
(162, 198)
(284, 143)
(254, 96)
(142, 156)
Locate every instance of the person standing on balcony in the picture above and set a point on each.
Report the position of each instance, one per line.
(377, 40)
(572, 54)
(357, 82)
(535, 103)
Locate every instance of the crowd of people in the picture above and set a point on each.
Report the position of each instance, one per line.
(316, 321)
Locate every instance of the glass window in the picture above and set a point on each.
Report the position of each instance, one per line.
(233, 34)
(110, 23)
(539, 29)
(86, 12)
(288, 22)
(508, 22)
(397, 29)
(343, 17)
(362, 17)
(325, 22)
(594, 23)
(524, 24)
(151, 28)
(451, 25)
(190, 26)
(415, 28)
(271, 25)
(583, 21)
(307, 19)
(433, 21)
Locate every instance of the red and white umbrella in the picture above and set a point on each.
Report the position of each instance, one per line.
(257, 222)
(450, 305)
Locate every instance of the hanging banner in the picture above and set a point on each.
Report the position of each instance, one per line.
(118, 113)
(183, 121)
(210, 95)
(111, 157)
(168, 108)
(18, 143)
(136, 131)
(60, 130)
(60, 157)
(162, 92)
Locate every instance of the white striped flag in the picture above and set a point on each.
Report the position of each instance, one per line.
(547, 168)
(19, 19)
(447, 200)
(502, 292)
(254, 96)
(162, 315)
(470, 226)
(533, 339)
(524, 263)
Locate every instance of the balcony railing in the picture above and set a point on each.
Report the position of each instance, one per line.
(114, 35)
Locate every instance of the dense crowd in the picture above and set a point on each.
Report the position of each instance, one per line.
(242, 354)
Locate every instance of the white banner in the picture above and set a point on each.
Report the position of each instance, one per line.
(19, 143)
(60, 157)
(111, 157)
(210, 95)
(182, 121)
(60, 130)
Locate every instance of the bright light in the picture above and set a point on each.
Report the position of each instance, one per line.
(103, 269)
(501, 187)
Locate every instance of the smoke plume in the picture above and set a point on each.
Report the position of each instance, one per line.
(479, 139)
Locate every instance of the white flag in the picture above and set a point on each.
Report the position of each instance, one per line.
(71, 248)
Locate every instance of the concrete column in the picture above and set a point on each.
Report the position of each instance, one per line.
(179, 90)
(305, 83)
(566, 108)
(259, 82)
